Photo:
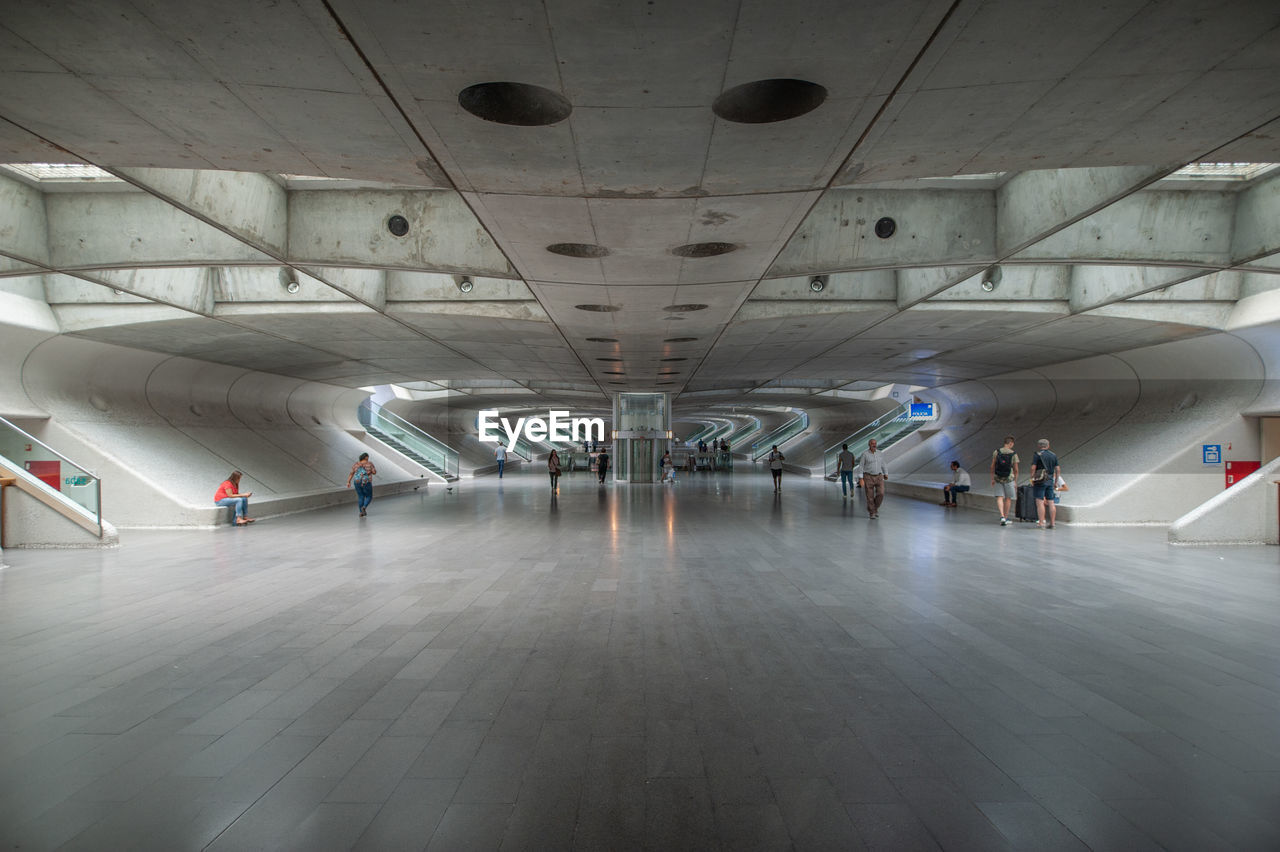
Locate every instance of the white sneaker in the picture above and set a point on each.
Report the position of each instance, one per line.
(1004, 522)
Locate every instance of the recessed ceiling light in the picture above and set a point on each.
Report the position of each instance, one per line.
(586, 250)
(519, 104)
(765, 101)
(602, 340)
(679, 340)
(674, 359)
(608, 359)
(466, 285)
(600, 309)
(398, 225)
(614, 372)
(886, 228)
(684, 309)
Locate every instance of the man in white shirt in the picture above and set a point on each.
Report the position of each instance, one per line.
(959, 484)
(501, 455)
(874, 475)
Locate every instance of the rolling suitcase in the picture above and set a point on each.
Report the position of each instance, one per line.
(1025, 506)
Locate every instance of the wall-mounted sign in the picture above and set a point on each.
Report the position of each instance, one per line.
(1212, 453)
(922, 411)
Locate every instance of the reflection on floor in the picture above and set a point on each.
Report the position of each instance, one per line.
(697, 666)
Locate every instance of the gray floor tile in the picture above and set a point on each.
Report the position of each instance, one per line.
(755, 675)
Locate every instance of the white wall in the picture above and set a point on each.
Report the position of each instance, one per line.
(164, 431)
(1127, 427)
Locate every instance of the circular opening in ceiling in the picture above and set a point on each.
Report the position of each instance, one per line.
(660, 384)
(680, 340)
(703, 249)
(674, 359)
(398, 225)
(886, 228)
(520, 104)
(666, 373)
(617, 383)
(602, 340)
(684, 309)
(578, 250)
(600, 309)
(763, 101)
(608, 359)
(613, 372)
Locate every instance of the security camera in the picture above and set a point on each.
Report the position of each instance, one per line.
(817, 284)
(991, 279)
(466, 285)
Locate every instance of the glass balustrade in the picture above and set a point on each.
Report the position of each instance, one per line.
(780, 436)
(69, 481)
(886, 429)
(438, 455)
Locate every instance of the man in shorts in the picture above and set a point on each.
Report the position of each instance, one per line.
(1004, 479)
(1044, 473)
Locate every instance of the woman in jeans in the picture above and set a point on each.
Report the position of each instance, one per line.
(363, 472)
(553, 468)
(229, 495)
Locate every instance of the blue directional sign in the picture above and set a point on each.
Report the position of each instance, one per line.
(921, 411)
(1212, 453)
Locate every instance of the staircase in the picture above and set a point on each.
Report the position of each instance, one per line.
(410, 453)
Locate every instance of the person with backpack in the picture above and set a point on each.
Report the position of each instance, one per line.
(362, 473)
(1044, 473)
(602, 464)
(1004, 479)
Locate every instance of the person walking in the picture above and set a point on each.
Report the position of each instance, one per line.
(602, 464)
(1004, 479)
(844, 467)
(776, 458)
(1044, 475)
(501, 455)
(553, 468)
(874, 476)
(362, 473)
(960, 483)
(228, 494)
(668, 469)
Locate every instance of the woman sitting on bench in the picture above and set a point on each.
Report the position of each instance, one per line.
(229, 495)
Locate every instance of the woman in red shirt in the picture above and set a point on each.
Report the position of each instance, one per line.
(229, 495)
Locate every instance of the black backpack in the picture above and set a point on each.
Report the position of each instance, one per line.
(1004, 465)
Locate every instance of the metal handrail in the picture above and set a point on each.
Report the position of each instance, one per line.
(862, 435)
(449, 458)
(781, 435)
(738, 435)
(97, 480)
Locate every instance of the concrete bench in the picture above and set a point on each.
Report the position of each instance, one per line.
(272, 505)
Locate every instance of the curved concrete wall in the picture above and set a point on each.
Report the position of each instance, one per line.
(164, 431)
(1128, 428)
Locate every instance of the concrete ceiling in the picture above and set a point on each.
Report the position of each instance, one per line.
(1037, 140)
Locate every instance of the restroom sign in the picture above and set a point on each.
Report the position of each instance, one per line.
(1212, 453)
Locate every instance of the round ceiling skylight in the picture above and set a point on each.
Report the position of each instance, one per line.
(764, 101)
(586, 250)
(519, 104)
(696, 250)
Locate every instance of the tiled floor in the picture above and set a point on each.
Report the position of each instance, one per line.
(698, 667)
